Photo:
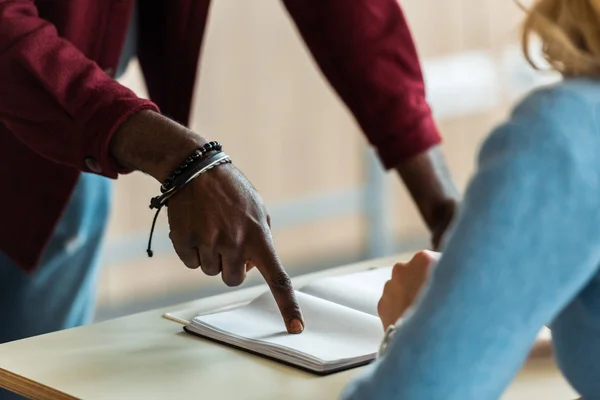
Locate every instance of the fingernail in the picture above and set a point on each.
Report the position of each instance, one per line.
(296, 326)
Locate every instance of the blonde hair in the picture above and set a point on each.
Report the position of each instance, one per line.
(570, 34)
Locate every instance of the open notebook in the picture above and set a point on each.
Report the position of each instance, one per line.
(340, 313)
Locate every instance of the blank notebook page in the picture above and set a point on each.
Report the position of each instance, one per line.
(332, 332)
(360, 291)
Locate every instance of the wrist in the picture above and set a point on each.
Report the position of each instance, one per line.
(428, 180)
(153, 144)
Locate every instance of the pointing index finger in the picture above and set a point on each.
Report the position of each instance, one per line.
(279, 282)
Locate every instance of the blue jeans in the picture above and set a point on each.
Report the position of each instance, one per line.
(61, 293)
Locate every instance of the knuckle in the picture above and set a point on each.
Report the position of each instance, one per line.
(397, 270)
(387, 287)
(422, 257)
(209, 269)
(190, 261)
(206, 252)
(229, 282)
(282, 282)
(234, 276)
(293, 311)
(175, 237)
(209, 240)
(188, 258)
(381, 306)
(230, 243)
(209, 262)
(233, 279)
(235, 243)
(194, 237)
(183, 238)
(259, 226)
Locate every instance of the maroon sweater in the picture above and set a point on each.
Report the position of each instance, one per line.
(60, 106)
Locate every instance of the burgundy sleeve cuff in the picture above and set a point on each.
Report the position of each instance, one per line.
(97, 156)
(405, 143)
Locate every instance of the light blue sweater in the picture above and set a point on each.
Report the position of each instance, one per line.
(524, 252)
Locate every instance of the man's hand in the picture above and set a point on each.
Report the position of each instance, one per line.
(429, 182)
(402, 290)
(218, 221)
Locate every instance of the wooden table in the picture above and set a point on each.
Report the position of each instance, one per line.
(146, 356)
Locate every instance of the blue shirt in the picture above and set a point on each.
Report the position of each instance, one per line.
(524, 252)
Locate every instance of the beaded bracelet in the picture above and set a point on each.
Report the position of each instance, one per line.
(187, 176)
(195, 156)
(187, 172)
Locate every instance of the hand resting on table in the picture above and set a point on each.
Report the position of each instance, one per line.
(401, 291)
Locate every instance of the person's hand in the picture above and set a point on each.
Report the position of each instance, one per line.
(218, 221)
(428, 180)
(401, 291)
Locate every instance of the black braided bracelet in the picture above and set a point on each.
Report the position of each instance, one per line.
(194, 170)
(169, 183)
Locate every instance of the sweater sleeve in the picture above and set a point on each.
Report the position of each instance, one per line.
(366, 51)
(54, 99)
(523, 246)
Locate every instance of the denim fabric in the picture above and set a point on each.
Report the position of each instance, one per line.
(62, 292)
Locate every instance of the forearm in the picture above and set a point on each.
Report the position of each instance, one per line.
(153, 144)
(428, 180)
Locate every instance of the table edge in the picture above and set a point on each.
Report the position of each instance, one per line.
(29, 388)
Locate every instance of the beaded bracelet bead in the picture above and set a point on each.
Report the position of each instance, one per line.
(195, 156)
